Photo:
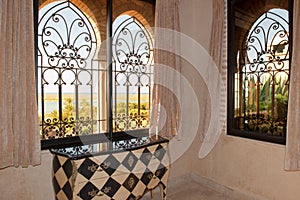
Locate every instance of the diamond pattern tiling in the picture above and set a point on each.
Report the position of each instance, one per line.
(139, 168)
(111, 187)
(56, 164)
(88, 168)
(130, 161)
(146, 156)
(139, 188)
(88, 191)
(122, 193)
(121, 176)
(68, 190)
(147, 177)
(160, 172)
(130, 182)
(56, 186)
(61, 177)
(110, 164)
(61, 195)
(68, 168)
(160, 152)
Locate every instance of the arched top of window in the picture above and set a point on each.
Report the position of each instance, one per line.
(259, 40)
(66, 36)
(267, 40)
(67, 44)
(132, 43)
(132, 51)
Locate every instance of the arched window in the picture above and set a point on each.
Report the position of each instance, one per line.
(66, 48)
(92, 88)
(259, 60)
(132, 62)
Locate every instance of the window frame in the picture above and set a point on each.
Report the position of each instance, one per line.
(231, 79)
(98, 137)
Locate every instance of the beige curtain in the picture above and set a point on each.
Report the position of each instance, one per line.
(292, 157)
(19, 135)
(218, 52)
(165, 112)
(216, 103)
(218, 49)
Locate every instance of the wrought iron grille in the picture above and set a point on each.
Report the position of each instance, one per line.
(66, 48)
(130, 143)
(93, 149)
(132, 61)
(261, 82)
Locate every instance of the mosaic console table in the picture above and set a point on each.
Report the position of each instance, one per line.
(122, 170)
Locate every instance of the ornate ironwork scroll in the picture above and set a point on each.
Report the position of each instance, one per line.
(263, 76)
(130, 143)
(132, 60)
(76, 151)
(90, 149)
(66, 46)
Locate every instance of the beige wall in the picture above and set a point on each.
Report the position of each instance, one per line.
(33, 183)
(247, 166)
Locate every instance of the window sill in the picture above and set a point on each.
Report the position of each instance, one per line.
(257, 136)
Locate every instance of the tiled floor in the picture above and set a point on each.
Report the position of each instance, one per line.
(188, 190)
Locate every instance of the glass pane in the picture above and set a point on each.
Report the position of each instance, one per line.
(262, 75)
(71, 89)
(132, 60)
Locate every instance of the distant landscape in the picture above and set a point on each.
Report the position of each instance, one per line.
(51, 100)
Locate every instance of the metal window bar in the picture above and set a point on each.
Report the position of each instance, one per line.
(109, 66)
(132, 57)
(59, 125)
(263, 57)
(59, 53)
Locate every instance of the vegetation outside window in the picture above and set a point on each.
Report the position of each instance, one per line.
(94, 68)
(259, 43)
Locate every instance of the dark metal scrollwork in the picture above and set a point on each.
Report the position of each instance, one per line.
(76, 151)
(127, 144)
(264, 66)
(125, 122)
(133, 58)
(67, 44)
(266, 47)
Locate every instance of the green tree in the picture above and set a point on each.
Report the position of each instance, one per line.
(68, 110)
(85, 109)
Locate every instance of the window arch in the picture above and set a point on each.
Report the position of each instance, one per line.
(132, 62)
(80, 74)
(264, 74)
(67, 44)
(258, 66)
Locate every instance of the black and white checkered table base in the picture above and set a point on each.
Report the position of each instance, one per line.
(124, 175)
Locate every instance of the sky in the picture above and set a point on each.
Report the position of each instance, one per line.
(59, 39)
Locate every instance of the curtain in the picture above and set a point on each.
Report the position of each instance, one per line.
(216, 106)
(165, 110)
(218, 39)
(292, 157)
(19, 131)
(218, 53)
